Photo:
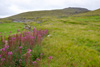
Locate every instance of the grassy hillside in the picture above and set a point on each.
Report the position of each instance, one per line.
(91, 13)
(53, 13)
(72, 41)
(5, 28)
(88, 17)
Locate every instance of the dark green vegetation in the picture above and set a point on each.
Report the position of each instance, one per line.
(73, 41)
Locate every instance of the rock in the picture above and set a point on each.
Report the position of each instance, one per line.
(27, 27)
(0, 22)
(26, 20)
(38, 22)
(48, 35)
(17, 21)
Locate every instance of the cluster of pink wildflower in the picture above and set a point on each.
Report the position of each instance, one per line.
(18, 47)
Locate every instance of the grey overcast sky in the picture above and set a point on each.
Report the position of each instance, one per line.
(12, 7)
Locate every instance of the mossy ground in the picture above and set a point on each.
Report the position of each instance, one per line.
(73, 42)
(5, 28)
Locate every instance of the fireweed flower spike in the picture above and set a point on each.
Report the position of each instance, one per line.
(14, 46)
(20, 47)
(20, 60)
(50, 57)
(38, 59)
(10, 32)
(2, 59)
(10, 53)
(29, 50)
(3, 49)
(41, 54)
(34, 62)
(17, 30)
(7, 46)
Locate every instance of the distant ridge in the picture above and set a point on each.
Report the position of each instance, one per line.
(60, 12)
(35, 15)
(90, 13)
(78, 8)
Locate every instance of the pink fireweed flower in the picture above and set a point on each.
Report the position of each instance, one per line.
(20, 47)
(2, 59)
(10, 53)
(20, 60)
(29, 50)
(34, 30)
(7, 46)
(41, 38)
(10, 32)
(0, 35)
(50, 57)
(3, 49)
(25, 38)
(28, 32)
(14, 38)
(38, 59)
(41, 54)
(17, 30)
(34, 62)
(0, 56)
(39, 35)
(32, 37)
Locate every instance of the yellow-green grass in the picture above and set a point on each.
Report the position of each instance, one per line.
(52, 13)
(86, 18)
(5, 28)
(72, 43)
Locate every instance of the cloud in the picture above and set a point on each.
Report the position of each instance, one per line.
(11, 7)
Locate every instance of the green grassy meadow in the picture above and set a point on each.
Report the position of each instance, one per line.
(72, 42)
(5, 28)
